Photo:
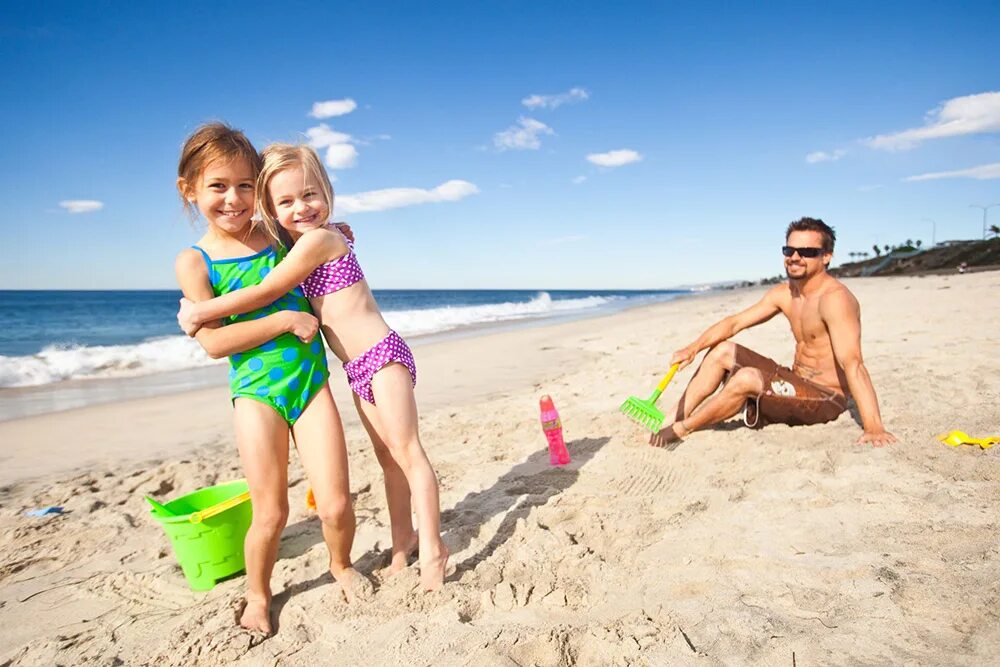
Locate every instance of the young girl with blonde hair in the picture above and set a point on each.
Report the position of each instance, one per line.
(295, 199)
(278, 380)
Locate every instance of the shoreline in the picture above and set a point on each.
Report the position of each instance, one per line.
(37, 400)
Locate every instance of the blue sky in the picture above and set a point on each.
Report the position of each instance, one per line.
(708, 128)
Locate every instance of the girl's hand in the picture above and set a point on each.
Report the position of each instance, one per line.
(303, 325)
(683, 357)
(187, 317)
(345, 229)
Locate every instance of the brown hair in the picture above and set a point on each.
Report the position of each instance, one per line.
(276, 158)
(814, 225)
(212, 142)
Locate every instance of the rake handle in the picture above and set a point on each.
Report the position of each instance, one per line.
(663, 383)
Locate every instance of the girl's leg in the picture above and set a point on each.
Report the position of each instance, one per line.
(319, 437)
(397, 414)
(397, 490)
(262, 439)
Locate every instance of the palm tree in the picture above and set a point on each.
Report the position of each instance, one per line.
(878, 251)
(994, 230)
(887, 248)
(919, 243)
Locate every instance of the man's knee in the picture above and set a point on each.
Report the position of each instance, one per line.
(723, 354)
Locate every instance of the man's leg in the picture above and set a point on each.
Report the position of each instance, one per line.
(719, 361)
(743, 384)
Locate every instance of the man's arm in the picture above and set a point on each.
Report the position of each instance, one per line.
(726, 328)
(219, 341)
(842, 316)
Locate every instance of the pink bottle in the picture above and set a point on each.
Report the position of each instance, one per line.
(558, 454)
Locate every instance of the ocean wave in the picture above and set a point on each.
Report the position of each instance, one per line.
(436, 320)
(57, 363)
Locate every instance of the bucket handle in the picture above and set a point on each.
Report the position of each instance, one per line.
(198, 517)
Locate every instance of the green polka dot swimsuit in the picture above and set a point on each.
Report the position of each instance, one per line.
(284, 373)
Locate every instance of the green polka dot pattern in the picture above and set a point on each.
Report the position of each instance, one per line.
(285, 373)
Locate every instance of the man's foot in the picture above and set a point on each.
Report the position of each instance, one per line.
(405, 557)
(256, 615)
(668, 434)
(432, 566)
(356, 586)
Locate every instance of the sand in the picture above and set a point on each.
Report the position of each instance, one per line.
(738, 547)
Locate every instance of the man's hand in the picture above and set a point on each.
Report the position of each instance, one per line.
(187, 317)
(684, 356)
(345, 229)
(876, 438)
(303, 325)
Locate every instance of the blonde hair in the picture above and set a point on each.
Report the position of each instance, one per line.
(212, 142)
(279, 157)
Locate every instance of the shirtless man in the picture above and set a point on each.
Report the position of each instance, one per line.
(826, 322)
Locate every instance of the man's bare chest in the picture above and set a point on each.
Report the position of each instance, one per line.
(806, 322)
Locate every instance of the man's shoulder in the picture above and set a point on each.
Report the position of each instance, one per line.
(780, 293)
(837, 297)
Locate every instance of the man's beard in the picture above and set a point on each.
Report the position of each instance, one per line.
(801, 272)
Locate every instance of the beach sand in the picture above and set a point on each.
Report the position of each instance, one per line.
(738, 547)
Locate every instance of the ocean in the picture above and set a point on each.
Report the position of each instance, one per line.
(55, 342)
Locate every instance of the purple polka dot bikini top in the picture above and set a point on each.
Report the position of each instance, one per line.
(334, 275)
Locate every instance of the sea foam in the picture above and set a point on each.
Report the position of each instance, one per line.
(57, 363)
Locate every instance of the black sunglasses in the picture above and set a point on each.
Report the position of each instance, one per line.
(805, 253)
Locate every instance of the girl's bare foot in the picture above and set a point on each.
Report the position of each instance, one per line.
(432, 567)
(355, 585)
(256, 615)
(404, 558)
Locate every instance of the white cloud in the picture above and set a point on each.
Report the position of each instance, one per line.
(383, 200)
(340, 151)
(972, 114)
(322, 136)
(554, 101)
(579, 179)
(341, 156)
(332, 108)
(614, 158)
(81, 205)
(524, 136)
(823, 156)
(983, 172)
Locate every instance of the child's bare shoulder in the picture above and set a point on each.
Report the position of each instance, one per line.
(324, 240)
(190, 260)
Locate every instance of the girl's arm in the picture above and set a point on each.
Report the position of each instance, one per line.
(312, 249)
(219, 341)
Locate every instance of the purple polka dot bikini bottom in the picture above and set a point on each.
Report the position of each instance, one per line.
(363, 368)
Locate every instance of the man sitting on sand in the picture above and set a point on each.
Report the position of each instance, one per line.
(826, 322)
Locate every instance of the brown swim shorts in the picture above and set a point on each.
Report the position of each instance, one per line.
(788, 398)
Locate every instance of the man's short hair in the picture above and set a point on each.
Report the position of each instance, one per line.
(814, 225)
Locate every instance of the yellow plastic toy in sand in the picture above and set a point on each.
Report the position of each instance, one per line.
(957, 438)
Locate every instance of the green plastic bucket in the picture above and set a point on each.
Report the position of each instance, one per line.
(207, 529)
